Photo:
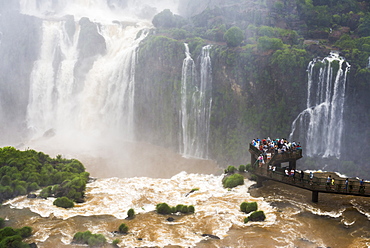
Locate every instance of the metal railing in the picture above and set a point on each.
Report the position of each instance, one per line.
(316, 183)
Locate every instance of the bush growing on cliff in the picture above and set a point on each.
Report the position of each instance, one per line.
(234, 37)
(63, 202)
(233, 181)
(265, 43)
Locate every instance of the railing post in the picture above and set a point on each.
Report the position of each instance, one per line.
(315, 196)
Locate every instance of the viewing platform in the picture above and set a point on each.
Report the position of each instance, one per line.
(274, 169)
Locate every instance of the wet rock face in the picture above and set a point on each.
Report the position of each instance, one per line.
(90, 42)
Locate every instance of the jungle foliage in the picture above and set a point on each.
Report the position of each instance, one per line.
(259, 82)
(24, 171)
(10, 237)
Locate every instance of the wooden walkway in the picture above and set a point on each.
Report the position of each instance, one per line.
(318, 184)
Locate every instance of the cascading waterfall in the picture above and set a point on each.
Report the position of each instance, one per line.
(320, 125)
(196, 103)
(100, 102)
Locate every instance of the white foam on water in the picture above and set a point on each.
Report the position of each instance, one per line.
(114, 196)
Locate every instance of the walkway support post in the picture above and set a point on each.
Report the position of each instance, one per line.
(315, 196)
(259, 181)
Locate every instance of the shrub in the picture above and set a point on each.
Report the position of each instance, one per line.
(266, 43)
(241, 168)
(12, 241)
(46, 192)
(255, 216)
(179, 208)
(63, 202)
(163, 208)
(131, 213)
(233, 181)
(96, 240)
(191, 209)
(24, 232)
(115, 242)
(184, 209)
(33, 186)
(10, 237)
(234, 37)
(6, 232)
(230, 169)
(89, 238)
(248, 207)
(123, 228)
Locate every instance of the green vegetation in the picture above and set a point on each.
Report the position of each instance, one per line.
(24, 171)
(248, 207)
(233, 181)
(164, 208)
(63, 202)
(256, 82)
(230, 169)
(234, 37)
(123, 228)
(131, 213)
(255, 216)
(115, 242)
(92, 240)
(10, 237)
(241, 168)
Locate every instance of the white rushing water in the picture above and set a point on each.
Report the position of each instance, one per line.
(113, 196)
(196, 104)
(99, 103)
(321, 123)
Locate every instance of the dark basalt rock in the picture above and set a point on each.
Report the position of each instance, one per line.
(210, 236)
(170, 219)
(31, 196)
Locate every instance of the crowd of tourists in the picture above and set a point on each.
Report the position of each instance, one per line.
(269, 147)
(275, 145)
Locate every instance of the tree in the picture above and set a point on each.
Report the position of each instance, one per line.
(166, 19)
(234, 37)
(266, 43)
(364, 27)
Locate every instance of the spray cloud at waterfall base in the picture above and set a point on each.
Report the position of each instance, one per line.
(82, 86)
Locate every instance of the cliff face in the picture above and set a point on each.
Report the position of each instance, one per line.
(258, 87)
(253, 95)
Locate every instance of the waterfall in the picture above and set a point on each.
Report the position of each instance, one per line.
(196, 103)
(320, 125)
(368, 65)
(87, 93)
